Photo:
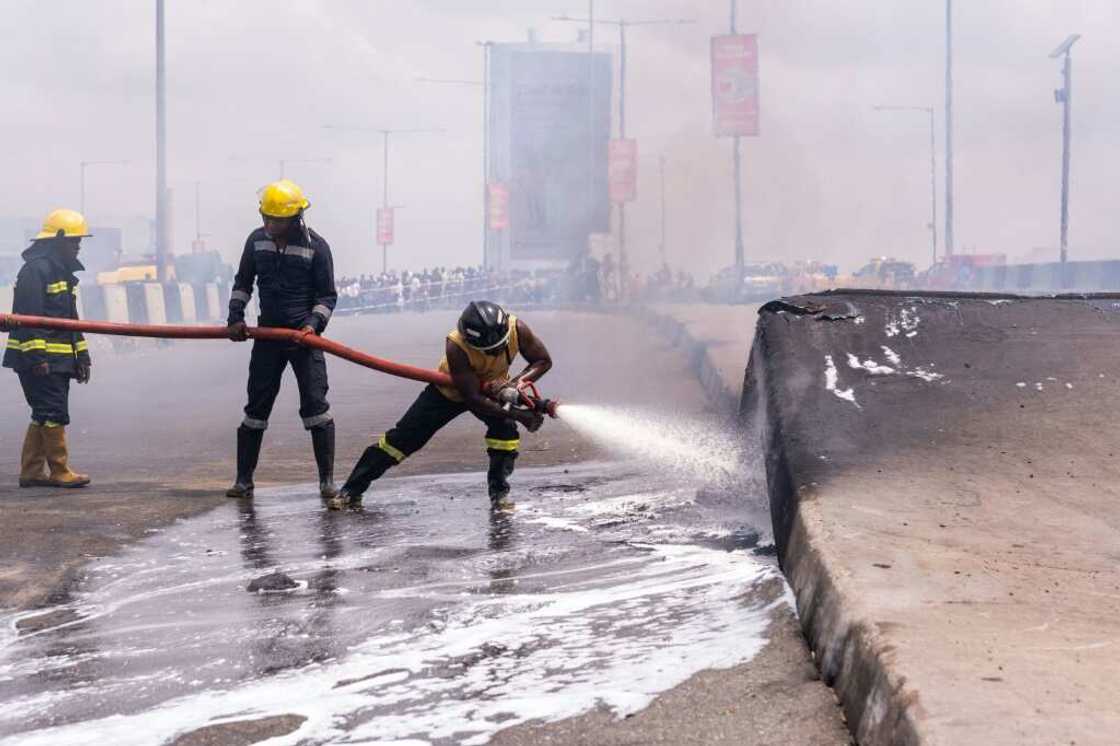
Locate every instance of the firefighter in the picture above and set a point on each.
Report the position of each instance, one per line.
(477, 355)
(294, 271)
(46, 360)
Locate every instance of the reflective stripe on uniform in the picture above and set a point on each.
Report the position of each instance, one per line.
(322, 311)
(58, 287)
(41, 345)
(503, 445)
(301, 252)
(255, 424)
(82, 346)
(317, 420)
(397, 455)
(264, 246)
(240, 295)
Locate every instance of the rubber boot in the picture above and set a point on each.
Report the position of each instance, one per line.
(33, 460)
(322, 441)
(58, 459)
(248, 451)
(373, 463)
(497, 478)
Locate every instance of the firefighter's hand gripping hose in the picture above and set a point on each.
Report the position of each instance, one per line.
(529, 397)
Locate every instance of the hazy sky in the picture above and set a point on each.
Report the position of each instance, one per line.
(254, 81)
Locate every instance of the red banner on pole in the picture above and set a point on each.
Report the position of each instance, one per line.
(385, 226)
(497, 206)
(735, 85)
(622, 170)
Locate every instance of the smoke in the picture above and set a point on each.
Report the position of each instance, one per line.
(829, 178)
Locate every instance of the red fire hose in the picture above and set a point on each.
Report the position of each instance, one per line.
(167, 331)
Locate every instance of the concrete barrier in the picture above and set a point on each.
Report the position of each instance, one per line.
(214, 303)
(943, 484)
(116, 304)
(7, 295)
(188, 310)
(155, 307)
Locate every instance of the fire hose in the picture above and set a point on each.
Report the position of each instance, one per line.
(528, 396)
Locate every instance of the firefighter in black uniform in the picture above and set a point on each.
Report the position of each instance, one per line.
(294, 270)
(477, 356)
(46, 360)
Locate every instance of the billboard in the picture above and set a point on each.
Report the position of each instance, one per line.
(622, 170)
(385, 226)
(549, 129)
(735, 85)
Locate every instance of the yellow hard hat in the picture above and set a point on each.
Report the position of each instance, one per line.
(69, 223)
(282, 199)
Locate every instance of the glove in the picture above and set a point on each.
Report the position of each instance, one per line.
(82, 373)
(238, 331)
(529, 419)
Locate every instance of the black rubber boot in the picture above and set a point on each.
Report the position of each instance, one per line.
(248, 451)
(497, 478)
(373, 463)
(322, 441)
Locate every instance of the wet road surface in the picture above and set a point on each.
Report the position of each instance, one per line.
(425, 617)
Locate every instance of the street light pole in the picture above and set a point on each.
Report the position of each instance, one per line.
(932, 169)
(622, 25)
(385, 168)
(161, 237)
(1064, 96)
(949, 128)
(740, 252)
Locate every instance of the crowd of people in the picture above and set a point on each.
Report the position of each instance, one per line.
(588, 280)
(441, 287)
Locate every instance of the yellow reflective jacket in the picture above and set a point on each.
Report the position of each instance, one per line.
(487, 367)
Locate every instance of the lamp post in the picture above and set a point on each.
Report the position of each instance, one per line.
(82, 179)
(932, 170)
(622, 24)
(385, 133)
(949, 239)
(1064, 96)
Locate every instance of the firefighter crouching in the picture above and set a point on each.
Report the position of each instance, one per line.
(46, 360)
(294, 270)
(478, 353)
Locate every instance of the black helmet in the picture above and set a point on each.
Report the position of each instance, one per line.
(484, 325)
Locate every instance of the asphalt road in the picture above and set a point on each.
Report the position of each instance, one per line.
(618, 603)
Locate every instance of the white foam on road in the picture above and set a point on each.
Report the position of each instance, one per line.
(496, 662)
(546, 642)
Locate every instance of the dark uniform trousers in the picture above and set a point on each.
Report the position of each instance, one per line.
(266, 369)
(428, 415)
(48, 396)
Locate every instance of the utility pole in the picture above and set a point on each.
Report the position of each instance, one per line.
(932, 169)
(162, 238)
(622, 25)
(949, 250)
(738, 164)
(1064, 96)
(384, 169)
